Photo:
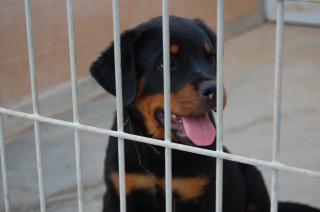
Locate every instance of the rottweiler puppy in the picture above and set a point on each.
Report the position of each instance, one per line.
(193, 95)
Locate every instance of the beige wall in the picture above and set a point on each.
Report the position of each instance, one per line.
(93, 24)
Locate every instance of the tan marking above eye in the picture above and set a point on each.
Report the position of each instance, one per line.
(207, 48)
(174, 49)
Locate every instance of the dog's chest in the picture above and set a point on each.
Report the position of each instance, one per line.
(184, 188)
(145, 172)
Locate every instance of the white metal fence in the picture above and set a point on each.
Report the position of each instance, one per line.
(275, 165)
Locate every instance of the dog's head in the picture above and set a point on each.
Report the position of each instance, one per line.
(192, 72)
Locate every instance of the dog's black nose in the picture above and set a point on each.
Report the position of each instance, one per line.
(207, 90)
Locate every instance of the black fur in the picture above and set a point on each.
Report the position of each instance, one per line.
(244, 189)
(103, 68)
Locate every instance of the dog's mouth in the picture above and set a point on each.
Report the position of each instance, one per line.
(197, 129)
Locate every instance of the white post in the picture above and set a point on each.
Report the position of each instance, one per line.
(117, 59)
(277, 103)
(35, 103)
(75, 105)
(167, 112)
(219, 144)
(4, 167)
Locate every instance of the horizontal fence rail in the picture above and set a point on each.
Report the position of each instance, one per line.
(157, 142)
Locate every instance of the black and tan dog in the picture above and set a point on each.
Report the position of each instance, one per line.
(193, 93)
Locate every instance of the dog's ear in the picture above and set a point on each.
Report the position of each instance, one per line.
(208, 31)
(103, 69)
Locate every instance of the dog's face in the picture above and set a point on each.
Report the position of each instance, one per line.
(192, 73)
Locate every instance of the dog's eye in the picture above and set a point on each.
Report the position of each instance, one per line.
(212, 59)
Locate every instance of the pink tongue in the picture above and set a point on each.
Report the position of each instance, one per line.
(199, 129)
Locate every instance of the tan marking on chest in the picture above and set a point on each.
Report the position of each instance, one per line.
(188, 188)
(134, 182)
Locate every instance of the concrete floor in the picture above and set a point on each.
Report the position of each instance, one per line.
(249, 73)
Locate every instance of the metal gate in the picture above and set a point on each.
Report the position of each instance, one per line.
(275, 165)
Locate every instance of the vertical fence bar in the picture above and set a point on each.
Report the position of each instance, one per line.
(35, 103)
(277, 103)
(4, 167)
(75, 105)
(117, 62)
(166, 91)
(220, 61)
